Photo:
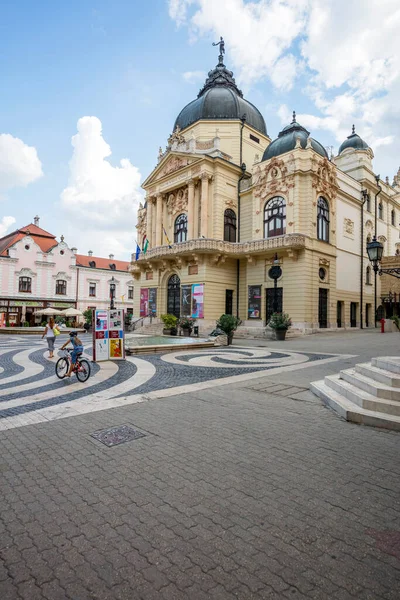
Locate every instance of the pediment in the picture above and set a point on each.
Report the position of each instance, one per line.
(171, 163)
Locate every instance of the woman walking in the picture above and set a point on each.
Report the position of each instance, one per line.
(50, 336)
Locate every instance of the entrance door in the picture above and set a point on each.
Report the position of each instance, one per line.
(353, 314)
(228, 302)
(323, 308)
(367, 314)
(174, 296)
(339, 314)
(269, 301)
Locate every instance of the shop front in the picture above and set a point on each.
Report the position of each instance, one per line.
(16, 312)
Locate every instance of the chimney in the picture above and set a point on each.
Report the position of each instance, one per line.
(90, 253)
(111, 256)
(74, 250)
(36, 221)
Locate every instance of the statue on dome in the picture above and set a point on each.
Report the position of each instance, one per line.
(221, 45)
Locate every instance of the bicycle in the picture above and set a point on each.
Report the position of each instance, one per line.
(81, 367)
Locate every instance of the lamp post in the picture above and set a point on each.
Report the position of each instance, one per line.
(275, 272)
(112, 293)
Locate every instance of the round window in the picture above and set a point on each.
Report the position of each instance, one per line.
(27, 246)
(322, 274)
(61, 252)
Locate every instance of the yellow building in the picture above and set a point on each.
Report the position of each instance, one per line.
(225, 203)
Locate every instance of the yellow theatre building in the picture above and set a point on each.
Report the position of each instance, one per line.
(225, 203)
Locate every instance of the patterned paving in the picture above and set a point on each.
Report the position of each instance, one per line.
(31, 393)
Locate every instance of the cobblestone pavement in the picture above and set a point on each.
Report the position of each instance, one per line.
(246, 490)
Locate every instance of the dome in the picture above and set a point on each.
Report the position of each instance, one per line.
(353, 141)
(287, 139)
(220, 99)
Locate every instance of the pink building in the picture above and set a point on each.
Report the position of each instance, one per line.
(37, 271)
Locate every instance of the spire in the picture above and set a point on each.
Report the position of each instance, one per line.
(294, 117)
(220, 76)
(353, 130)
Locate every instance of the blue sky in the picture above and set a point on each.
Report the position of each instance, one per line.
(124, 63)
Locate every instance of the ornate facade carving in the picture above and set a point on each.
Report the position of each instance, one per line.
(324, 178)
(178, 201)
(173, 165)
(274, 178)
(348, 226)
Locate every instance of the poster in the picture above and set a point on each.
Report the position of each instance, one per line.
(100, 346)
(186, 307)
(254, 302)
(101, 320)
(115, 321)
(144, 302)
(152, 302)
(116, 346)
(198, 300)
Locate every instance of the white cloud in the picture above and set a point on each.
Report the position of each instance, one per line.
(19, 163)
(194, 76)
(5, 225)
(101, 201)
(349, 54)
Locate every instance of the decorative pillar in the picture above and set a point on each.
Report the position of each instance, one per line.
(204, 205)
(158, 220)
(149, 220)
(191, 209)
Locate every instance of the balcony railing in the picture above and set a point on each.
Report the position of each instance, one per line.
(210, 246)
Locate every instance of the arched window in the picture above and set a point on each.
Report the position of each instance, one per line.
(180, 229)
(393, 217)
(380, 210)
(323, 220)
(25, 284)
(275, 217)
(61, 287)
(368, 276)
(229, 225)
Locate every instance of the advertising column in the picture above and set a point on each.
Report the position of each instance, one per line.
(116, 334)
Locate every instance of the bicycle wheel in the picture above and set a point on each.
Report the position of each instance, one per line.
(62, 367)
(82, 370)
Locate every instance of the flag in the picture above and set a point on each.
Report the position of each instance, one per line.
(137, 251)
(145, 244)
(167, 238)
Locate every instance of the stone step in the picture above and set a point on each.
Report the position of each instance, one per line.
(389, 363)
(350, 411)
(380, 390)
(379, 374)
(361, 398)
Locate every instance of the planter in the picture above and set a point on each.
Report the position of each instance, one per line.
(230, 338)
(166, 331)
(280, 334)
(186, 332)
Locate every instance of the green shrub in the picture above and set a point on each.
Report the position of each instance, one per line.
(187, 323)
(88, 316)
(280, 321)
(169, 321)
(228, 323)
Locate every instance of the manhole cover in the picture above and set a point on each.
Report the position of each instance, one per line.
(117, 435)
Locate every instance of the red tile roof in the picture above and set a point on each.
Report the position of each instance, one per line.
(83, 260)
(43, 239)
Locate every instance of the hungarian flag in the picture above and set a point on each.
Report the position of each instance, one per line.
(145, 244)
(137, 251)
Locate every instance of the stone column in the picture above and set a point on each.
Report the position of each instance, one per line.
(204, 205)
(149, 221)
(191, 209)
(158, 220)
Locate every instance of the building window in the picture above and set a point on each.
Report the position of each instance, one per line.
(393, 217)
(275, 217)
(130, 292)
(229, 226)
(369, 203)
(92, 264)
(323, 220)
(368, 276)
(25, 284)
(380, 210)
(61, 287)
(149, 275)
(180, 229)
(254, 138)
(112, 267)
(92, 290)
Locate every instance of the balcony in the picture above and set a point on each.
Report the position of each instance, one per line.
(194, 248)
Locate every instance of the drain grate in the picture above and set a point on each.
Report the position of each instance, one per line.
(117, 435)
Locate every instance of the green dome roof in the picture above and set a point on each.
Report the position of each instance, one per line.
(353, 141)
(287, 139)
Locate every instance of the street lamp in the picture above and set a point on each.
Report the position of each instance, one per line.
(274, 273)
(112, 293)
(375, 252)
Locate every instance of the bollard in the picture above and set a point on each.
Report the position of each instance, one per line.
(382, 325)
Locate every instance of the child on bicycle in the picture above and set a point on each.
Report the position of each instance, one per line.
(77, 349)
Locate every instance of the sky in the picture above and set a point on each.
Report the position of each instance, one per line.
(90, 91)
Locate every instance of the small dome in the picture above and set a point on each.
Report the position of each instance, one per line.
(287, 139)
(219, 99)
(353, 141)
